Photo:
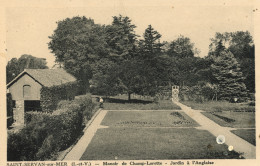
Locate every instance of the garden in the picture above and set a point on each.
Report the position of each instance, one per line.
(153, 135)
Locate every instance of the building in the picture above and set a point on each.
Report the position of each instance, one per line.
(26, 87)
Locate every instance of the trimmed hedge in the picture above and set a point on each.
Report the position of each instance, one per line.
(196, 93)
(48, 133)
(50, 96)
(9, 102)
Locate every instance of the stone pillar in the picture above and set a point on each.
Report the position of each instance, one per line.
(175, 93)
(19, 112)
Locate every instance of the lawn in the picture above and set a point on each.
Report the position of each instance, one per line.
(155, 144)
(232, 119)
(220, 106)
(148, 119)
(136, 104)
(246, 134)
(236, 115)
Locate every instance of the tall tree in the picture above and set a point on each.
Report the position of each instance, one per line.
(77, 43)
(182, 47)
(151, 45)
(16, 66)
(121, 38)
(229, 77)
(241, 45)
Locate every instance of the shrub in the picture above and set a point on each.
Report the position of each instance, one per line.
(47, 133)
(199, 93)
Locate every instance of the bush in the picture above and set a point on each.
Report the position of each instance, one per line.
(199, 93)
(48, 133)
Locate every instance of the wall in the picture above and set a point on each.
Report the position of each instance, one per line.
(18, 112)
(17, 89)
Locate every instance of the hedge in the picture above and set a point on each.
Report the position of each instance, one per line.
(50, 96)
(9, 102)
(48, 133)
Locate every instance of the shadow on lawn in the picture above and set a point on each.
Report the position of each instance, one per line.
(113, 100)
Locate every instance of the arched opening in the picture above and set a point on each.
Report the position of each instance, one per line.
(26, 91)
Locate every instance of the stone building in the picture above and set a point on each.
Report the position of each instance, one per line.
(25, 89)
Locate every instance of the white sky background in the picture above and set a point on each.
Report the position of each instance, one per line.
(28, 28)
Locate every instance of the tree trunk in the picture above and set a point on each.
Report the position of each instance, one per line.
(129, 96)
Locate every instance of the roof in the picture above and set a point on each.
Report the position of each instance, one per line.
(46, 77)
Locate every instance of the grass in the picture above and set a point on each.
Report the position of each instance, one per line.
(137, 102)
(220, 106)
(148, 119)
(232, 119)
(155, 144)
(236, 115)
(246, 134)
(121, 104)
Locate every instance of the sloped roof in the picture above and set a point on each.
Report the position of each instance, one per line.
(46, 77)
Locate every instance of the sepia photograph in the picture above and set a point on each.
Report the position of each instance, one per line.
(130, 83)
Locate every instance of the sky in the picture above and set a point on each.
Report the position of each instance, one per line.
(28, 28)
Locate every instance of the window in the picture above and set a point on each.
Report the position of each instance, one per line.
(26, 91)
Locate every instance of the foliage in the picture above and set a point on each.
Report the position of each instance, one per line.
(241, 44)
(137, 77)
(47, 133)
(50, 96)
(9, 108)
(105, 79)
(228, 76)
(121, 38)
(9, 104)
(130, 76)
(16, 66)
(203, 91)
(182, 48)
(77, 43)
(112, 60)
(151, 45)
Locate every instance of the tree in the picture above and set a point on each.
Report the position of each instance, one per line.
(105, 79)
(77, 43)
(228, 77)
(151, 45)
(138, 77)
(121, 38)
(219, 48)
(241, 45)
(16, 66)
(219, 43)
(182, 47)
